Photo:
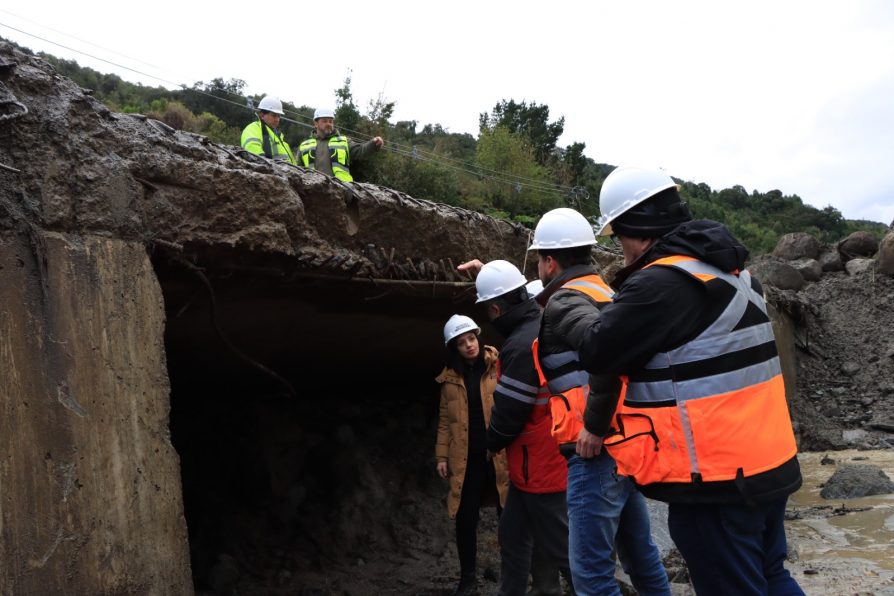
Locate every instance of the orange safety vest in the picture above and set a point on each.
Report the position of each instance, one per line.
(714, 408)
(562, 373)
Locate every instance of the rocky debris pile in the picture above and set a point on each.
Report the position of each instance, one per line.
(841, 304)
(857, 480)
(800, 258)
(886, 252)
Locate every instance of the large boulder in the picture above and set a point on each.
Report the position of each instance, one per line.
(857, 480)
(830, 259)
(797, 245)
(810, 269)
(886, 255)
(859, 266)
(776, 273)
(859, 244)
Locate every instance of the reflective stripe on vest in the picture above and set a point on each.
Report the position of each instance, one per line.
(721, 359)
(592, 286)
(339, 156)
(567, 381)
(714, 408)
(523, 392)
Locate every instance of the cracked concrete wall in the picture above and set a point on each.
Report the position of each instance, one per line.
(90, 494)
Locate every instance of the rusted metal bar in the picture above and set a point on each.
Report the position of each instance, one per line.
(384, 282)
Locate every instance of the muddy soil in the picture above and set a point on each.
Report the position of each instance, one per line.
(841, 546)
(845, 392)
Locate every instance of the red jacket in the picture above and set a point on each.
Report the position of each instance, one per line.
(520, 421)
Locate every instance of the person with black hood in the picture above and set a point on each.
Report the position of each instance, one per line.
(703, 423)
(535, 515)
(607, 516)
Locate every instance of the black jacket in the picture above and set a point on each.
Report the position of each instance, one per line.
(659, 309)
(567, 314)
(518, 377)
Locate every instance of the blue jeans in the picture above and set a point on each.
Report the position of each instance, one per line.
(606, 512)
(733, 548)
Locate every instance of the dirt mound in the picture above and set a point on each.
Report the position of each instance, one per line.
(845, 359)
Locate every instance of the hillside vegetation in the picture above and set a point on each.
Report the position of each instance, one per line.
(513, 170)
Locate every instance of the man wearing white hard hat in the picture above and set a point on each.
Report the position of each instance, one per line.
(330, 152)
(704, 424)
(263, 137)
(535, 515)
(606, 514)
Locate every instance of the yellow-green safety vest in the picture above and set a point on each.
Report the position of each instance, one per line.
(339, 156)
(253, 142)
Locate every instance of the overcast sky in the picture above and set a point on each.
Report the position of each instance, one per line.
(789, 95)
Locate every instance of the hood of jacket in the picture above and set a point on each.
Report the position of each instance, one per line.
(506, 323)
(448, 375)
(703, 239)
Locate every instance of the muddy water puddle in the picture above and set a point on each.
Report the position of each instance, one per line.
(842, 546)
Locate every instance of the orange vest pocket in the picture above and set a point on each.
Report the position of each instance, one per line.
(566, 412)
(637, 450)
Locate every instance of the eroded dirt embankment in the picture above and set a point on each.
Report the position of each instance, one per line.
(299, 314)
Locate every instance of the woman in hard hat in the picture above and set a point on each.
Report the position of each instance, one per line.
(467, 386)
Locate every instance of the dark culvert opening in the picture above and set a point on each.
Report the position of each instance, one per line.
(330, 490)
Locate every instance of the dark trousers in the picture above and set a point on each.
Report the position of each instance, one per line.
(480, 478)
(530, 519)
(733, 549)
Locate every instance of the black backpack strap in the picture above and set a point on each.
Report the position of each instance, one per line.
(265, 136)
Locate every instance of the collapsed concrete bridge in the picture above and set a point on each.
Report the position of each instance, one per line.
(212, 365)
(161, 291)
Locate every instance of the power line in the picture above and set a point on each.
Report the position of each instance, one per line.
(84, 41)
(141, 73)
(399, 148)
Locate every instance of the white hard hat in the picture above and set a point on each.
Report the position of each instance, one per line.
(271, 104)
(324, 113)
(562, 228)
(625, 188)
(497, 278)
(534, 288)
(457, 325)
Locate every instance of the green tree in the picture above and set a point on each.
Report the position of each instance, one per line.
(347, 116)
(530, 120)
(379, 112)
(222, 98)
(516, 183)
(574, 158)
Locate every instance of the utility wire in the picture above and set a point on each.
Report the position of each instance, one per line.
(84, 41)
(139, 72)
(405, 150)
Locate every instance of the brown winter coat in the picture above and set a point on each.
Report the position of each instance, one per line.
(452, 445)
